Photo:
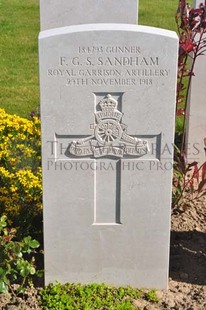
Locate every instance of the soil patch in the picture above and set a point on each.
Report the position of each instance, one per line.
(187, 284)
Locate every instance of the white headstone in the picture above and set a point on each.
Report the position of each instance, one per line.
(196, 114)
(198, 2)
(63, 13)
(107, 108)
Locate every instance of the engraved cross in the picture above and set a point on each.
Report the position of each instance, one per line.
(108, 146)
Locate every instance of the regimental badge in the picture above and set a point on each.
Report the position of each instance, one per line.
(110, 136)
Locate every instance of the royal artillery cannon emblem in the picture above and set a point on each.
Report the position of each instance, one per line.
(110, 136)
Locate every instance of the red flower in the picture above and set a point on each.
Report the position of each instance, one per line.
(180, 112)
(188, 46)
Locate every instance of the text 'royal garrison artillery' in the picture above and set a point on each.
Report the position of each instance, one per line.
(110, 136)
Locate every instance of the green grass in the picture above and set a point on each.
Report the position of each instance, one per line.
(19, 27)
(158, 13)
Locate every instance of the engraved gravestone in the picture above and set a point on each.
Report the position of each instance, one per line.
(107, 108)
(196, 114)
(63, 13)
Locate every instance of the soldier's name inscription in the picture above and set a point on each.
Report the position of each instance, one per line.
(109, 66)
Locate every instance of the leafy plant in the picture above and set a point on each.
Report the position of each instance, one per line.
(152, 296)
(191, 25)
(92, 297)
(14, 264)
(20, 173)
(88, 297)
(189, 182)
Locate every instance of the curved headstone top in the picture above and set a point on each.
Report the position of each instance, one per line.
(63, 13)
(153, 31)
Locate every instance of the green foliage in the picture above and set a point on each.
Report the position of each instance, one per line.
(189, 182)
(14, 265)
(20, 173)
(88, 297)
(191, 29)
(152, 296)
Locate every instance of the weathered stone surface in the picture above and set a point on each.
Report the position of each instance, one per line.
(107, 108)
(63, 13)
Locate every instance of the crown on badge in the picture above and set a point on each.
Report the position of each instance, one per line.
(108, 109)
(108, 104)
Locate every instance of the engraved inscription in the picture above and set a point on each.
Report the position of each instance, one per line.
(111, 61)
(108, 66)
(109, 49)
(110, 136)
